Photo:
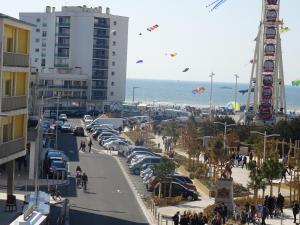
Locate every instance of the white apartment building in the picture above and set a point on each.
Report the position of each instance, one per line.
(79, 54)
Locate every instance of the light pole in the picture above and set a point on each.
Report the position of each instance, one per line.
(57, 106)
(225, 130)
(211, 86)
(265, 139)
(133, 88)
(235, 94)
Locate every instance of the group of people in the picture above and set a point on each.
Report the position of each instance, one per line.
(81, 178)
(83, 145)
(190, 218)
(239, 160)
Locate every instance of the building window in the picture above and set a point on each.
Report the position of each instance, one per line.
(83, 94)
(44, 34)
(114, 43)
(36, 59)
(112, 93)
(44, 24)
(114, 33)
(112, 73)
(113, 63)
(7, 87)
(113, 53)
(76, 83)
(115, 23)
(43, 63)
(38, 20)
(37, 30)
(37, 40)
(37, 50)
(76, 93)
(112, 83)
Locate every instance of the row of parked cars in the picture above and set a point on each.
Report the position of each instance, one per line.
(142, 160)
(55, 164)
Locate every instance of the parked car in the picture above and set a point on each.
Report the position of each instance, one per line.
(87, 119)
(78, 131)
(175, 178)
(136, 153)
(66, 127)
(58, 124)
(135, 168)
(58, 168)
(137, 148)
(62, 117)
(177, 190)
(52, 155)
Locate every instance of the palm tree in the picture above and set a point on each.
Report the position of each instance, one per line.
(256, 178)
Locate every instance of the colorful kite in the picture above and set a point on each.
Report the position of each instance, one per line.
(284, 29)
(215, 4)
(139, 61)
(140, 34)
(152, 27)
(173, 54)
(198, 90)
(296, 82)
(185, 70)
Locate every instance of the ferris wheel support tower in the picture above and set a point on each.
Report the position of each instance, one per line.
(266, 93)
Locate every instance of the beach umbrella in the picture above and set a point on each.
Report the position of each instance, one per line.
(233, 106)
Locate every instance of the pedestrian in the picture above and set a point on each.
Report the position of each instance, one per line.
(283, 174)
(175, 218)
(264, 214)
(224, 213)
(84, 179)
(90, 145)
(158, 145)
(251, 155)
(244, 162)
(83, 146)
(295, 209)
(280, 202)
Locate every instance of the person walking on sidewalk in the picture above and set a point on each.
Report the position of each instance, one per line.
(83, 146)
(90, 145)
(244, 162)
(295, 209)
(84, 179)
(175, 218)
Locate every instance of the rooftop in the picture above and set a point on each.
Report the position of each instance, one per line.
(3, 16)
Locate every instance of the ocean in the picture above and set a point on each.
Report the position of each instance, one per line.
(180, 93)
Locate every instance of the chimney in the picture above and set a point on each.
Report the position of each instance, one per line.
(53, 9)
(100, 9)
(48, 9)
(107, 11)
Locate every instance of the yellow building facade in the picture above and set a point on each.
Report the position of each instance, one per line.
(14, 85)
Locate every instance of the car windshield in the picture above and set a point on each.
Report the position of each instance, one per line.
(58, 164)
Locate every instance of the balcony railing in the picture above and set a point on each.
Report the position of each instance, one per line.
(101, 46)
(12, 147)
(100, 87)
(99, 76)
(101, 25)
(15, 59)
(13, 103)
(63, 24)
(99, 98)
(63, 86)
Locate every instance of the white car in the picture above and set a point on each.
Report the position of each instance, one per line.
(87, 119)
(63, 117)
(66, 127)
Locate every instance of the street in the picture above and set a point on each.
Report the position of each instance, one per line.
(109, 199)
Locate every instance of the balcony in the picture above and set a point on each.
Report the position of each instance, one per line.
(101, 46)
(100, 87)
(63, 34)
(99, 98)
(13, 103)
(15, 59)
(98, 56)
(101, 25)
(96, 35)
(63, 24)
(63, 86)
(73, 97)
(12, 147)
(99, 76)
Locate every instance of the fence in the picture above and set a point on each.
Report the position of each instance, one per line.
(160, 218)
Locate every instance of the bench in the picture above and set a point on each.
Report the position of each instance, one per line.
(11, 203)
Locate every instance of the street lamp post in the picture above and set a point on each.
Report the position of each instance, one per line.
(235, 94)
(211, 86)
(133, 89)
(225, 130)
(265, 139)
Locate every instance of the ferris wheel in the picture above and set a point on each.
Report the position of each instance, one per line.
(266, 93)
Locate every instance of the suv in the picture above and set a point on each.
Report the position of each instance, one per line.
(177, 190)
(135, 168)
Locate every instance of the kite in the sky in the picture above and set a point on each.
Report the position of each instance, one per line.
(215, 4)
(296, 82)
(172, 54)
(185, 70)
(139, 61)
(284, 29)
(152, 27)
(198, 90)
(140, 34)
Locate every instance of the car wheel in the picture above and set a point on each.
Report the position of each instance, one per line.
(190, 198)
(136, 171)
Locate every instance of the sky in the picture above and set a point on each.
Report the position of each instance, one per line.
(221, 41)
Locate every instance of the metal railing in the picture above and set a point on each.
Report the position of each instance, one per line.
(12, 147)
(64, 86)
(15, 59)
(13, 103)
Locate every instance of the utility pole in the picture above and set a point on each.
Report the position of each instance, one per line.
(211, 86)
(235, 94)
